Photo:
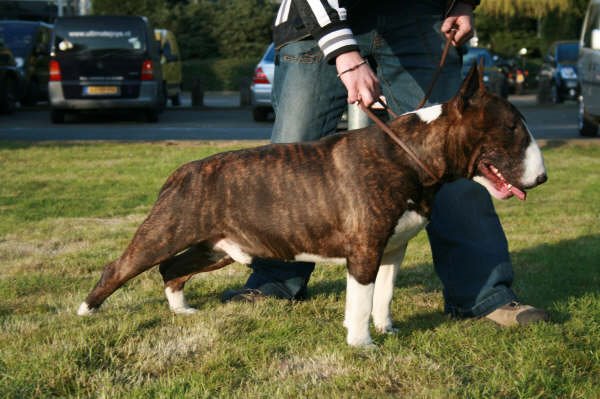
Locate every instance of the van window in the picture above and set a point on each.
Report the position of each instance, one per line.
(593, 22)
(567, 52)
(18, 37)
(80, 35)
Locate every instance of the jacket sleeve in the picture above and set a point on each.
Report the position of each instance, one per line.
(327, 24)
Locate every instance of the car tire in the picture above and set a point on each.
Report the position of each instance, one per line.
(554, 95)
(57, 116)
(543, 93)
(31, 95)
(152, 115)
(261, 114)
(8, 94)
(176, 100)
(587, 125)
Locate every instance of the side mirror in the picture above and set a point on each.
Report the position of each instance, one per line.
(596, 39)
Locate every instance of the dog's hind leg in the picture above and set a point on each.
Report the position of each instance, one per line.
(160, 237)
(180, 268)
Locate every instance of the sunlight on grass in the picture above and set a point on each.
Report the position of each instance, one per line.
(66, 209)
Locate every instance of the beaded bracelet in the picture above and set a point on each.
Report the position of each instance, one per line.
(352, 68)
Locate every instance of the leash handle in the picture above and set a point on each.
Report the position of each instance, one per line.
(436, 74)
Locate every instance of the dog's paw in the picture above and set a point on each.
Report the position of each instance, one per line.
(85, 310)
(358, 341)
(386, 329)
(184, 310)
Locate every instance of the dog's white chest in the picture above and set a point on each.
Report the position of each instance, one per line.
(409, 224)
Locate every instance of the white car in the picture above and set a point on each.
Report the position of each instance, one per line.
(262, 83)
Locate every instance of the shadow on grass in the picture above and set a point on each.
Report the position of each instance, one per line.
(544, 276)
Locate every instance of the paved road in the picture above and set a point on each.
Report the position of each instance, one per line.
(223, 119)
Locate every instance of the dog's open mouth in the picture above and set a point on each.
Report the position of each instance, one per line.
(503, 189)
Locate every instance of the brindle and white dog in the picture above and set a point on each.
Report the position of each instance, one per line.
(353, 197)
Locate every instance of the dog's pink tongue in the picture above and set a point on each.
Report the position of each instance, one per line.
(518, 193)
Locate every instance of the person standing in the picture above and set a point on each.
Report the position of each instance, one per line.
(331, 53)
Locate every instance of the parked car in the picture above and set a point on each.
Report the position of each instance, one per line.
(589, 69)
(105, 62)
(493, 77)
(29, 42)
(516, 75)
(170, 60)
(557, 79)
(9, 80)
(260, 88)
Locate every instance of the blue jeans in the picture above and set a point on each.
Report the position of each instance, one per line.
(469, 247)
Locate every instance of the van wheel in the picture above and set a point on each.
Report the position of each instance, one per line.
(32, 94)
(8, 95)
(57, 116)
(152, 115)
(176, 100)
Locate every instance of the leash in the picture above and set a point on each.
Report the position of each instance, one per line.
(383, 126)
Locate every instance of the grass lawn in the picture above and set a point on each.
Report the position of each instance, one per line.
(68, 208)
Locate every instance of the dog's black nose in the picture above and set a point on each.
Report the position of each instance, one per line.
(541, 179)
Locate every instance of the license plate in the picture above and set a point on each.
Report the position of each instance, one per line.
(101, 90)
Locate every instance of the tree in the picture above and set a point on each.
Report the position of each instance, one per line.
(508, 25)
(526, 8)
(243, 27)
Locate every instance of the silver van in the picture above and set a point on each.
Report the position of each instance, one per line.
(589, 71)
(105, 62)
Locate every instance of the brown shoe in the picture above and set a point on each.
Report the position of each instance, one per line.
(243, 295)
(516, 314)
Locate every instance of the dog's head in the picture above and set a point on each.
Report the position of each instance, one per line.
(502, 154)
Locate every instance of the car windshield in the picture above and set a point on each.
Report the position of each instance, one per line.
(567, 52)
(18, 37)
(84, 35)
(475, 55)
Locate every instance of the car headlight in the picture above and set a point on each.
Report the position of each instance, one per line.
(20, 62)
(568, 73)
(486, 78)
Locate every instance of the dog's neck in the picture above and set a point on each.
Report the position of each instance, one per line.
(445, 144)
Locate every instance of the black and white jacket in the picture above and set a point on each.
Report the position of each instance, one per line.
(323, 20)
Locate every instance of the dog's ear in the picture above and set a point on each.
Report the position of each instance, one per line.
(471, 86)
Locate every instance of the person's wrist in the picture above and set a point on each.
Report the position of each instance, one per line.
(352, 68)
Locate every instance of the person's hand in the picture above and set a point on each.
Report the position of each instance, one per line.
(358, 77)
(461, 18)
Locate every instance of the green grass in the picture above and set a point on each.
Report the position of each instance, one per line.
(68, 208)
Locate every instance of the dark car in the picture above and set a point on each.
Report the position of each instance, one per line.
(493, 77)
(105, 62)
(30, 44)
(9, 80)
(558, 78)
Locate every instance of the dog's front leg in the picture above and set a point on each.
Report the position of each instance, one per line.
(384, 289)
(359, 302)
